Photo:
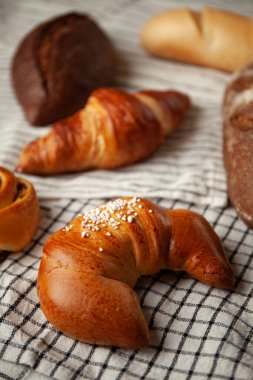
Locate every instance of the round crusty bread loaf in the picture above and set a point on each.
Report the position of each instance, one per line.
(211, 37)
(58, 64)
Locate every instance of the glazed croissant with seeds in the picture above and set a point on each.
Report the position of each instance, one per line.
(19, 211)
(114, 129)
(88, 268)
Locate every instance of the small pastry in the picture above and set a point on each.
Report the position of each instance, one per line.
(19, 211)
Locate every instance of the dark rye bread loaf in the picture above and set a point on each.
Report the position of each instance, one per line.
(238, 142)
(58, 64)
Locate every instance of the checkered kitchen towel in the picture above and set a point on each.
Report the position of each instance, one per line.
(196, 332)
(188, 165)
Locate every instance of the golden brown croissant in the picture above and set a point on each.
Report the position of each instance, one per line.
(114, 129)
(88, 268)
(19, 211)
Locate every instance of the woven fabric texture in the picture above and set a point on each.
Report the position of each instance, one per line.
(196, 332)
(187, 166)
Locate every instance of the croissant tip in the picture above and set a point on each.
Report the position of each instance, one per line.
(230, 286)
(228, 283)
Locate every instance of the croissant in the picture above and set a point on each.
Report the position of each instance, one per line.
(114, 129)
(88, 268)
(19, 211)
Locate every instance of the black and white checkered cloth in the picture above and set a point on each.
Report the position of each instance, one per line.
(196, 332)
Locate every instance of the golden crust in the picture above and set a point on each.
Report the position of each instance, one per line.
(114, 129)
(211, 37)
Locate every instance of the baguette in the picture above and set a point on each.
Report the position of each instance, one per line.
(211, 37)
(58, 64)
(238, 142)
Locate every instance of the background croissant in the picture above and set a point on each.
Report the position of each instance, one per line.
(114, 129)
(88, 269)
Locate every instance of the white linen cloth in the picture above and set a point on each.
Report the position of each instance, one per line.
(187, 166)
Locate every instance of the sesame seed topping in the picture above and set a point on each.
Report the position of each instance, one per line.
(67, 229)
(130, 219)
(101, 249)
(150, 211)
(85, 234)
(111, 214)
